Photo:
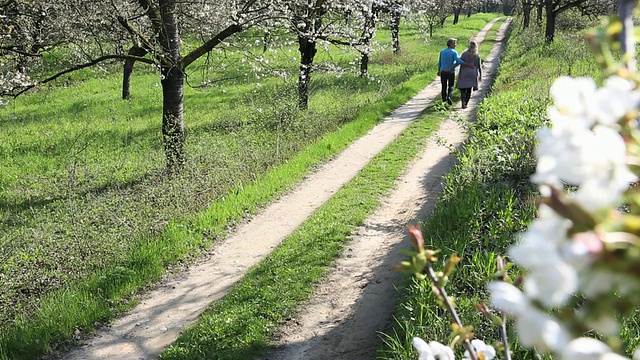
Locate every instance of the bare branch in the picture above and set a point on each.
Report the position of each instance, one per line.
(78, 67)
(209, 45)
(16, 50)
(146, 43)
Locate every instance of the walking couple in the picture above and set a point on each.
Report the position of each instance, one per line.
(469, 75)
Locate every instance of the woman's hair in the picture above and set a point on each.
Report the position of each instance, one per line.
(473, 48)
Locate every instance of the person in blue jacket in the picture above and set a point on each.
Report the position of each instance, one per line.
(447, 63)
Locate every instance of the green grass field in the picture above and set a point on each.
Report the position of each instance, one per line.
(88, 217)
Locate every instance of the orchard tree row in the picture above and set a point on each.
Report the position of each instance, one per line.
(547, 11)
(80, 34)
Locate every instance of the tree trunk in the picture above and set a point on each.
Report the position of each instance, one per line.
(395, 32)
(550, 27)
(539, 13)
(266, 40)
(364, 64)
(526, 14)
(173, 117)
(308, 51)
(367, 34)
(364, 59)
(172, 81)
(128, 69)
(507, 7)
(627, 45)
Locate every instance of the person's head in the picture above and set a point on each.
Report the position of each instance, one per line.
(452, 42)
(473, 47)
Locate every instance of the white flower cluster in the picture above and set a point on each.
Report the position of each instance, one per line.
(583, 148)
(435, 350)
(12, 80)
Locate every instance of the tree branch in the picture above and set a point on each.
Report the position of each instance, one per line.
(18, 51)
(338, 41)
(568, 5)
(146, 43)
(75, 68)
(153, 14)
(450, 308)
(209, 45)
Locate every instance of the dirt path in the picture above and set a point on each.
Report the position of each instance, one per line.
(341, 315)
(347, 311)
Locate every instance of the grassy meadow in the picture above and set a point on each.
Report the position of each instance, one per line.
(487, 198)
(88, 217)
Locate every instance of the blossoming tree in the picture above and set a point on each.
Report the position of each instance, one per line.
(94, 32)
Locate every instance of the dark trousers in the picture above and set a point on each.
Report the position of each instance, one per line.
(465, 95)
(447, 79)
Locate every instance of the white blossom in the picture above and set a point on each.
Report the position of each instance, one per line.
(589, 349)
(552, 284)
(603, 281)
(432, 351)
(535, 328)
(508, 298)
(424, 351)
(582, 147)
(484, 351)
(551, 280)
(615, 99)
(441, 352)
(574, 98)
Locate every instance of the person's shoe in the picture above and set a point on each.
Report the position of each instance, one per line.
(464, 106)
(449, 102)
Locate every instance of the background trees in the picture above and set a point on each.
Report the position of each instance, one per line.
(41, 41)
(429, 13)
(549, 10)
(90, 33)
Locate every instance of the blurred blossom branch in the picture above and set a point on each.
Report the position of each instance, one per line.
(581, 255)
(421, 266)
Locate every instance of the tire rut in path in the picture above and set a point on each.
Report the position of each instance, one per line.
(145, 331)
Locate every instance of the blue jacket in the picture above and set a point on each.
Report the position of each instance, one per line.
(448, 58)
